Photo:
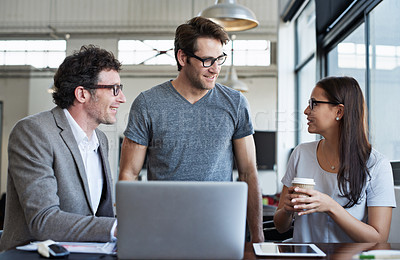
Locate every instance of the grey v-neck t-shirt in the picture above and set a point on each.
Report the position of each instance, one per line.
(187, 141)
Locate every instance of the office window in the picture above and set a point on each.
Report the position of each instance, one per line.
(306, 83)
(161, 52)
(248, 53)
(37, 53)
(305, 68)
(147, 52)
(378, 64)
(348, 58)
(305, 33)
(385, 79)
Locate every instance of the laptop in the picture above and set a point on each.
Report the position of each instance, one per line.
(181, 220)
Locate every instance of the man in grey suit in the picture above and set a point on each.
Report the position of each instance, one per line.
(59, 181)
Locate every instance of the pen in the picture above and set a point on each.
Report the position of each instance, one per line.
(105, 245)
(378, 257)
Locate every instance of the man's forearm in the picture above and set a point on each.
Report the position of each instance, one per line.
(254, 209)
(128, 176)
(132, 158)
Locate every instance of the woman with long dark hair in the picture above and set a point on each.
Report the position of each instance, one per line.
(354, 194)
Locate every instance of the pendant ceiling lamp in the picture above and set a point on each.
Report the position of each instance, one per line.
(233, 17)
(231, 79)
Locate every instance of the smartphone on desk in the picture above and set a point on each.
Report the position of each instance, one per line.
(58, 251)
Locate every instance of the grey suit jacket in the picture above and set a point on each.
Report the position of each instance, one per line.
(47, 189)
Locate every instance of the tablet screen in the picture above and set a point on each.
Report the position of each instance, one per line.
(295, 249)
(283, 249)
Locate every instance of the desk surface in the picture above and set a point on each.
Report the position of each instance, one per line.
(339, 251)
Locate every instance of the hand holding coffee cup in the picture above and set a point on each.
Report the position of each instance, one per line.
(304, 183)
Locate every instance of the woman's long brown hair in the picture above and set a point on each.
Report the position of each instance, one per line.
(354, 148)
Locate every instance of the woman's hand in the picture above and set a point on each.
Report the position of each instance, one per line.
(314, 202)
(379, 218)
(289, 200)
(283, 216)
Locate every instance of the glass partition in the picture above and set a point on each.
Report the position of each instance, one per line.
(306, 67)
(384, 68)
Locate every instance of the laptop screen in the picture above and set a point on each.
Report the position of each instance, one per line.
(165, 220)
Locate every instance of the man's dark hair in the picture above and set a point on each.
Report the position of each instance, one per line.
(81, 69)
(186, 35)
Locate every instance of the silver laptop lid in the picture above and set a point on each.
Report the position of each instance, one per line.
(181, 220)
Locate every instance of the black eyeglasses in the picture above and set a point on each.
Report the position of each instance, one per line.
(116, 88)
(209, 61)
(312, 103)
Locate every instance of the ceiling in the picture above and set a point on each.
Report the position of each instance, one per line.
(118, 18)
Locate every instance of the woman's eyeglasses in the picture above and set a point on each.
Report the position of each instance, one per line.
(116, 88)
(312, 103)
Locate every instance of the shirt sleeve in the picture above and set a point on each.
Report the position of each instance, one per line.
(380, 191)
(137, 129)
(112, 231)
(244, 125)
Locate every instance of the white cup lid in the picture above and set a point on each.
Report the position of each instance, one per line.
(303, 181)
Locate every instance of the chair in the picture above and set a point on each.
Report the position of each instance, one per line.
(270, 232)
(272, 235)
(394, 236)
(2, 209)
(396, 172)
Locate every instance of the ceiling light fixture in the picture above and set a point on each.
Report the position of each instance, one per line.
(231, 79)
(233, 17)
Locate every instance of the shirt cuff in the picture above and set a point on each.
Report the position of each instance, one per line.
(114, 227)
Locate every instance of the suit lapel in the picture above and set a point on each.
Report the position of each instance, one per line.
(105, 207)
(69, 139)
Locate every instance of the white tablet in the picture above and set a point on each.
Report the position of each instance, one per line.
(284, 249)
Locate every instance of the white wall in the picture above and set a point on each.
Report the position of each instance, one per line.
(14, 92)
(262, 97)
(39, 99)
(286, 97)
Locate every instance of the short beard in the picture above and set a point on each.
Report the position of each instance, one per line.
(196, 83)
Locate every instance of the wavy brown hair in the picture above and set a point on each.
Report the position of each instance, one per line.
(186, 34)
(354, 148)
(81, 69)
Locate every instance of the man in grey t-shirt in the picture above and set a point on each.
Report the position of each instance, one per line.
(191, 127)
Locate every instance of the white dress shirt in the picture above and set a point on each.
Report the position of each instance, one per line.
(91, 160)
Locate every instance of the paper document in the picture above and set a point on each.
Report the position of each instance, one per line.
(79, 247)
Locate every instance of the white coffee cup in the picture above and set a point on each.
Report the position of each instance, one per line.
(304, 183)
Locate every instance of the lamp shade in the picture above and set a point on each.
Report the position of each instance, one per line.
(233, 17)
(231, 80)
